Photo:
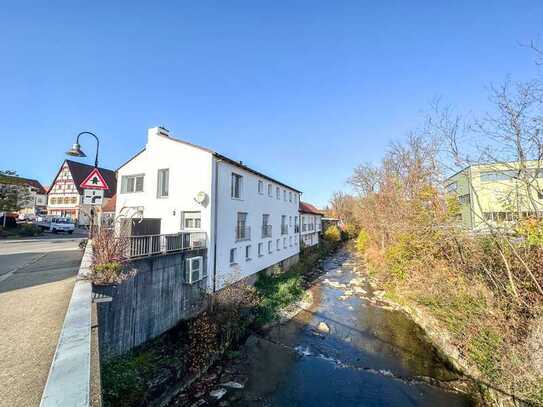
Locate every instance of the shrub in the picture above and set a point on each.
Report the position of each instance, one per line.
(30, 230)
(106, 273)
(362, 241)
(332, 234)
(277, 292)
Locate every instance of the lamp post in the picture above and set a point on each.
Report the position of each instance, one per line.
(76, 151)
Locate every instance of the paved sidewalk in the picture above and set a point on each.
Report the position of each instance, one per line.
(33, 302)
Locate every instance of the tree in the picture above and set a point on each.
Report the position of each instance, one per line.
(14, 194)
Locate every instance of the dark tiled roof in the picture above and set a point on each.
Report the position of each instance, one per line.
(308, 208)
(80, 171)
(12, 180)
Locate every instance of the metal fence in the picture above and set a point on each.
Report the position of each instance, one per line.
(243, 233)
(150, 245)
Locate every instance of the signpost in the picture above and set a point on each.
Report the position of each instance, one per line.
(94, 180)
(94, 186)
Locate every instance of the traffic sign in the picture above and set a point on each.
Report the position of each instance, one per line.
(93, 196)
(94, 180)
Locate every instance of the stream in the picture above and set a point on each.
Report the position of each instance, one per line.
(346, 349)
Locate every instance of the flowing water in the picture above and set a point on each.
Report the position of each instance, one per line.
(371, 356)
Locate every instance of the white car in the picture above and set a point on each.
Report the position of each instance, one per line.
(56, 225)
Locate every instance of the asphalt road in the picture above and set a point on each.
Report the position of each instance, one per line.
(36, 281)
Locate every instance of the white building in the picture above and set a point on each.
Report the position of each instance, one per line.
(32, 197)
(173, 186)
(311, 221)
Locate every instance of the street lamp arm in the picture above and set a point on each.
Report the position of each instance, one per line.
(97, 144)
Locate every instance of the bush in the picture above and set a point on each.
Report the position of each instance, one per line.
(362, 241)
(30, 230)
(277, 292)
(332, 234)
(106, 273)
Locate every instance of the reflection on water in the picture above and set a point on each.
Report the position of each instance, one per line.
(370, 357)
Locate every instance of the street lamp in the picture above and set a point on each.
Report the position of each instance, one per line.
(76, 151)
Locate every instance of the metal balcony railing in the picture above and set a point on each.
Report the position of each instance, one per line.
(152, 245)
(284, 229)
(243, 233)
(266, 231)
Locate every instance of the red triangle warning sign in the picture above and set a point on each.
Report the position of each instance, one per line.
(94, 180)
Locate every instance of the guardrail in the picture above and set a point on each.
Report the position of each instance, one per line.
(243, 233)
(152, 245)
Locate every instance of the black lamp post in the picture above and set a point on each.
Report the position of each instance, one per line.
(76, 151)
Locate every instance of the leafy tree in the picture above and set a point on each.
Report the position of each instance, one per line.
(13, 193)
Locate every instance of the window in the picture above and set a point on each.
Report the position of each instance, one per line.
(242, 230)
(260, 187)
(539, 195)
(131, 183)
(260, 249)
(464, 199)
(191, 220)
(284, 226)
(284, 195)
(290, 196)
(269, 246)
(452, 187)
(278, 193)
(277, 244)
(163, 183)
(266, 227)
(284, 243)
(236, 186)
(53, 201)
(247, 252)
(270, 190)
(66, 200)
(290, 220)
(194, 269)
(290, 241)
(74, 200)
(233, 256)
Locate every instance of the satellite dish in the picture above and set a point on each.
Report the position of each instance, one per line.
(201, 197)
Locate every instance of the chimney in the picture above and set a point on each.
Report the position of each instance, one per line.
(157, 132)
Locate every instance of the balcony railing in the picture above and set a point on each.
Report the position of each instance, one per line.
(304, 227)
(266, 231)
(296, 228)
(243, 233)
(284, 229)
(151, 245)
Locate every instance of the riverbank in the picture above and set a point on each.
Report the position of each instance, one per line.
(447, 308)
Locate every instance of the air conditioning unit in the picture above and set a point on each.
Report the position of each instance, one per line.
(194, 269)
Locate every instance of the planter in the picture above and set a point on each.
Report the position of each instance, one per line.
(104, 292)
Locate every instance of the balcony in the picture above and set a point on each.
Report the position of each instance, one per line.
(304, 227)
(152, 245)
(243, 233)
(284, 229)
(266, 231)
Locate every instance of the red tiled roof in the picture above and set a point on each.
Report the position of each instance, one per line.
(13, 180)
(308, 208)
(110, 205)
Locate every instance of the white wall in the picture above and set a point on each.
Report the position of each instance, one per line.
(255, 204)
(189, 173)
(310, 237)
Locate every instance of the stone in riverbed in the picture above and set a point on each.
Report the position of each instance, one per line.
(198, 403)
(323, 327)
(233, 385)
(217, 393)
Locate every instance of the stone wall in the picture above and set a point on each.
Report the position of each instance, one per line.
(153, 299)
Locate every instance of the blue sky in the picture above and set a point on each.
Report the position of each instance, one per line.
(301, 90)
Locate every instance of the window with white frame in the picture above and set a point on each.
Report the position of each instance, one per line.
(194, 269)
(247, 252)
(284, 195)
(290, 196)
(284, 243)
(270, 246)
(290, 241)
(236, 186)
(131, 183)
(270, 190)
(260, 249)
(260, 187)
(233, 256)
(163, 180)
(278, 244)
(191, 220)
(278, 192)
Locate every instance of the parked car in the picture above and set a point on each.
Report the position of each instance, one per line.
(56, 225)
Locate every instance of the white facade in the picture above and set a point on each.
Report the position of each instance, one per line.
(204, 191)
(311, 227)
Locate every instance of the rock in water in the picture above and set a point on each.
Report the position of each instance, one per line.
(233, 385)
(323, 327)
(217, 393)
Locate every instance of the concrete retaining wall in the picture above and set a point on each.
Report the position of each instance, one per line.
(148, 303)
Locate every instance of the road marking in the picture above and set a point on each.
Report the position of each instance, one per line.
(5, 276)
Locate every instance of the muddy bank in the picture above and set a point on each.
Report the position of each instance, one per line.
(346, 348)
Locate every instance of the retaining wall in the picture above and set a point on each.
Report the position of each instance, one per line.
(153, 299)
